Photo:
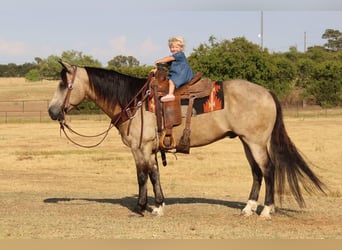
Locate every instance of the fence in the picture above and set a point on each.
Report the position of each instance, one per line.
(32, 110)
(35, 111)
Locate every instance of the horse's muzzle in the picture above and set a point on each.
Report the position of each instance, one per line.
(56, 114)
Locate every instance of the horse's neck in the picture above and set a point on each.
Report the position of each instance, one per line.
(103, 104)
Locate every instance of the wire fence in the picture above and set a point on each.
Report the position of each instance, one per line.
(37, 111)
(24, 110)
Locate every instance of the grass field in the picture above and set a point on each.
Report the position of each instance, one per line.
(51, 189)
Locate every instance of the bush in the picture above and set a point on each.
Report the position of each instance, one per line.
(33, 75)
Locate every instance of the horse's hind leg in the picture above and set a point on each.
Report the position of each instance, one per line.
(261, 167)
(252, 203)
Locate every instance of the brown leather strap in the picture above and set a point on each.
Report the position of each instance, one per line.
(189, 112)
(132, 106)
(70, 87)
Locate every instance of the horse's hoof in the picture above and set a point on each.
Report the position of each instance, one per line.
(139, 210)
(246, 214)
(159, 211)
(265, 217)
(266, 212)
(250, 208)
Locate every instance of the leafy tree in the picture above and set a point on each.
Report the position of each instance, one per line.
(78, 58)
(14, 70)
(9, 70)
(327, 83)
(50, 68)
(305, 71)
(334, 38)
(242, 59)
(139, 71)
(123, 61)
(129, 65)
(33, 75)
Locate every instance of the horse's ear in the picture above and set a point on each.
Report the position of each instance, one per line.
(66, 66)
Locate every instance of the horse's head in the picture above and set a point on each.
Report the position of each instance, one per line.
(70, 91)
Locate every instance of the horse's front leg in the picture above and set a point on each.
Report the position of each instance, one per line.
(158, 193)
(142, 175)
(146, 165)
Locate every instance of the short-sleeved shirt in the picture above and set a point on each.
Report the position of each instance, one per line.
(180, 71)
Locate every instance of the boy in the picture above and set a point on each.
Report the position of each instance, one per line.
(180, 71)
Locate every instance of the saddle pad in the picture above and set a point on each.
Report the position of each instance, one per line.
(215, 101)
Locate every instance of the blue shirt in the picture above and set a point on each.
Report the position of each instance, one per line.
(180, 71)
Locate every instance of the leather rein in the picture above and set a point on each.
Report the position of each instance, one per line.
(127, 113)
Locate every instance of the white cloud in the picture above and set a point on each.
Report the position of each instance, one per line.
(148, 47)
(146, 52)
(12, 48)
(118, 45)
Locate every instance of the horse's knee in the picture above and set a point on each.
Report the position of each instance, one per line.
(142, 178)
(154, 176)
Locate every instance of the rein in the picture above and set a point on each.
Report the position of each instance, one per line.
(127, 113)
(65, 125)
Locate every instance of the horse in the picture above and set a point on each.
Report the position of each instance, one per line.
(251, 113)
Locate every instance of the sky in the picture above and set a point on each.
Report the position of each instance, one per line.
(141, 28)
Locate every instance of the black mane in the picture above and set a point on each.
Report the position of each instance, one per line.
(113, 86)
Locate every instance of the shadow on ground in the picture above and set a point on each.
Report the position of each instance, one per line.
(130, 202)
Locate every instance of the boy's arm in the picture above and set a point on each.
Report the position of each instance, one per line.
(165, 59)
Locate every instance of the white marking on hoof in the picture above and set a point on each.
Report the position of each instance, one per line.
(267, 211)
(250, 208)
(159, 211)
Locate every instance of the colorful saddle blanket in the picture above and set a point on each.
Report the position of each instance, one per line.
(215, 101)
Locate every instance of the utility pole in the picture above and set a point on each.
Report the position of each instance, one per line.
(304, 41)
(262, 31)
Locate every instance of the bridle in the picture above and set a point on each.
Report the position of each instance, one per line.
(64, 109)
(70, 86)
(127, 113)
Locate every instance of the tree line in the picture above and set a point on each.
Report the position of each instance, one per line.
(315, 73)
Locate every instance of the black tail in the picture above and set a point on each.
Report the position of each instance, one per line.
(289, 164)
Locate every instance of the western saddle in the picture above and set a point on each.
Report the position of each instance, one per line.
(169, 114)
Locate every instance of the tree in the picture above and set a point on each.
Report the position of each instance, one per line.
(78, 58)
(123, 61)
(129, 65)
(241, 59)
(326, 83)
(334, 38)
(138, 71)
(50, 68)
(33, 75)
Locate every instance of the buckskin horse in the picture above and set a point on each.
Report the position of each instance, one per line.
(251, 113)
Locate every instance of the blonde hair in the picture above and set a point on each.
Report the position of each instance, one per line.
(177, 39)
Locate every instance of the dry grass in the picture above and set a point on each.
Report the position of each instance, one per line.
(51, 189)
(14, 89)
